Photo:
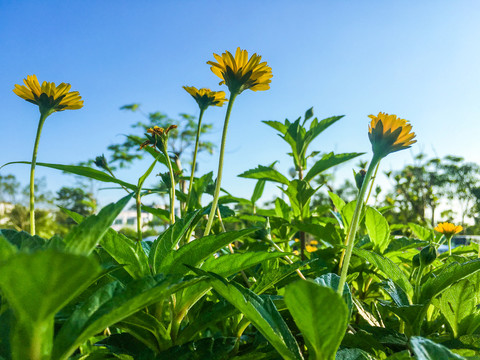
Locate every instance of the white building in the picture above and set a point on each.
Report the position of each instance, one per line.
(128, 219)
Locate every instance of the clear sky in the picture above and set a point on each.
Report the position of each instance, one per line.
(417, 59)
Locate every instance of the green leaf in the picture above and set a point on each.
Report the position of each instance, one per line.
(6, 249)
(230, 264)
(167, 241)
(328, 161)
(198, 189)
(261, 312)
(39, 284)
(332, 280)
(208, 348)
(449, 275)
(83, 171)
(142, 178)
(277, 125)
(320, 314)
(258, 191)
(425, 349)
(110, 304)
(354, 354)
(162, 214)
(83, 238)
(126, 252)
(396, 293)
(197, 251)
(388, 267)
(265, 173)
(22, 240)
(299, 193)
(338, 202)
(270, 277)
(377, 229)
(459, 305)
(210, 315)
(421, 232)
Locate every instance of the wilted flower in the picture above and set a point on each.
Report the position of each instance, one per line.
(206, 97)
(101, 162)
(448, 229)
(388, 134)
(240, 73)
(159, 136)
(49, 97)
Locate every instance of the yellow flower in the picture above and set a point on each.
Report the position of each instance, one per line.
(311, 248)
(206, 97)
(241, 73)
(448, 229)
(388, 134)
(49, 97)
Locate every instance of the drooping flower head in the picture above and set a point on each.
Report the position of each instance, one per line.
(158, 137)
(241, 73)
(448, 229)
(49, 97)
(206, 97)
(388, 134)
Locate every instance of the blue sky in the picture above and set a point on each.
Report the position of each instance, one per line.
(416, 59)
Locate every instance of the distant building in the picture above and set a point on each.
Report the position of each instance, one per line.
(128, 219)
(5, 208)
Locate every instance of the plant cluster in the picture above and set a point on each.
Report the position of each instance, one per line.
(232, 279)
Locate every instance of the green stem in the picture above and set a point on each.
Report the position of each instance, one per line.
(43, 117)
(139, 215)
(418, 281)
(197, 140)
(220, 166)
(172, 190)
(354, 224)
(373, 181)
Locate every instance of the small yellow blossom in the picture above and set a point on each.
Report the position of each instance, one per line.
(388, 134)
(206, 97)
(313, 242)
(311, 248)
(241, 73)
(448, 229)
(49, 97)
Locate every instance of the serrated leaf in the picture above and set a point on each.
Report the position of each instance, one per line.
(425, 349)
(39, 284)
(197, 251)
(388, 267)
(328, 161)
(265, 173)
(377, 229)
(167, 241)
(126, 252)
(449, 275)
(111, 304)
(262, 313)
(83, 171)
(83, 238)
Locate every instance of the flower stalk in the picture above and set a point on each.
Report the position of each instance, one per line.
(195, 151)
(220, 166)
(354, 223)
(43, 117)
